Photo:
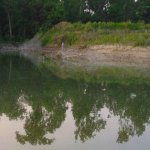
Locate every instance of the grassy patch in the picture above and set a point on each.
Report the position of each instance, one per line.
(136, 34)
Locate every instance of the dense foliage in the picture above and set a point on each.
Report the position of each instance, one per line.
(23, 18)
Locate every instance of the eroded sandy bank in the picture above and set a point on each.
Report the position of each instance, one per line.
(103, 55)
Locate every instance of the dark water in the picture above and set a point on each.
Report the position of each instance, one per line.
(39, 111)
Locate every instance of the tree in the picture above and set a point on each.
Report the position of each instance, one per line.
(99, 8)
(8, 7)
(143, 10)
(121, 10)
(72, 10)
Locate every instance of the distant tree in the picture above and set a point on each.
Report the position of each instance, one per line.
(98, 7)
(8, 6)
(72, 9)
(143, 10)
(123, 10)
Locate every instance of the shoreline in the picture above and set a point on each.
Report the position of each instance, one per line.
(92, 56)
(97, 63)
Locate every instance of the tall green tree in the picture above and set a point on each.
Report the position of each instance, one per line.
(123, 10)
(143, 10)
(8, 6)
(99, 8)
(72, 10)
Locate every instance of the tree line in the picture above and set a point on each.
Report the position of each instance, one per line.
(23, 18)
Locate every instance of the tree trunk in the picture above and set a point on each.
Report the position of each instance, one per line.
(81, 9)
(10, 25)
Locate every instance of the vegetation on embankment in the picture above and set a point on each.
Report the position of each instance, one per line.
(78, 34)
(107, 63)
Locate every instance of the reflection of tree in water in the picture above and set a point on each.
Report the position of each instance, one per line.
(8, 91)
(126, 129)
(47, 95)
(45, 118)
(10, 107)
(134, 113)
(35, 128)
(88, 126)
(86, 112)
(48, 105)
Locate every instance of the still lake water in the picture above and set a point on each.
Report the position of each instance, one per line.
(39, 111)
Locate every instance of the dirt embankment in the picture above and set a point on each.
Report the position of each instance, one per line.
(104, 55)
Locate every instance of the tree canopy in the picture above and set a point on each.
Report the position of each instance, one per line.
(23, 18)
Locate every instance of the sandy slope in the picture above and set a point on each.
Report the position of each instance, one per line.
(104, 55)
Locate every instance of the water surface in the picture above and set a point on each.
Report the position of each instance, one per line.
(39, 111)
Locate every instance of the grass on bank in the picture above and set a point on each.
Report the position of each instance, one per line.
(126, 33)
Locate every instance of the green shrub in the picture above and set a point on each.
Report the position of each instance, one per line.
(70, 38)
